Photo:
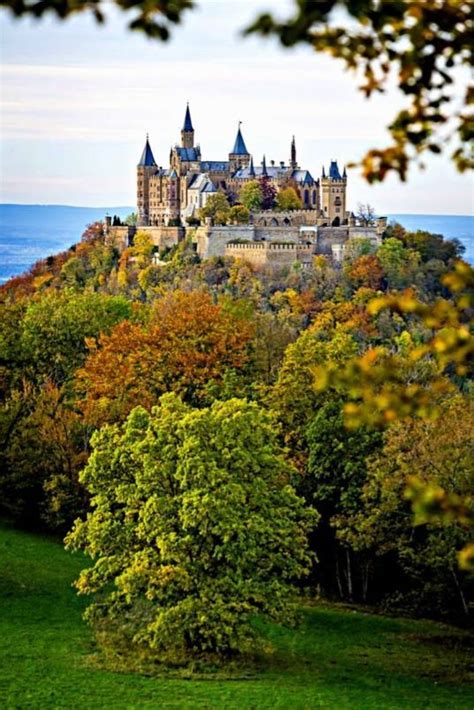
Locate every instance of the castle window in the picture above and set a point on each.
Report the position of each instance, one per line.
(306, 197)
(314, 197)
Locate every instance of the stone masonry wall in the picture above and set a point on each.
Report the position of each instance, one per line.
(266, 254)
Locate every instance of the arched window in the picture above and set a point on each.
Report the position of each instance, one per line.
(274, 222)
(336, 222)
(306, 197)
(314, 197)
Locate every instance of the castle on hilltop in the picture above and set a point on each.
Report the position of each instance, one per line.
(174, 195)
(169, 203)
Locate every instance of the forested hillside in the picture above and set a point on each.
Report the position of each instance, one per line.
(224, 437)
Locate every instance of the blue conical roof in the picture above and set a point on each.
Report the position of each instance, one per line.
(188, 124)
(239, 146)
(334, 171)
(147, 155)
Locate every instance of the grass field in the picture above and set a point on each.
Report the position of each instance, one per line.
(337, 658)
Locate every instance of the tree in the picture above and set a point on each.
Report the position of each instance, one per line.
(366, 271)
(142, 249)
(383, 389)
(436, 456)
(251, 195)
(189, 341)
(217, 208)
(288, 199)
(55, 327)
(293, 397)
(268, 193)
(333, 483)
(365, 214)
(397, 263)
(239, 214)
(194, 529)
(131, 219)
(43, 448)
(421, 43)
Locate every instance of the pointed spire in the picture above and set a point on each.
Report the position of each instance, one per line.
(188, 124)
(334, 170)
(264, 166)
(344, 173)
(293, 153)
(251, 168)
(147, 158)
(239, 146)
(324, 172)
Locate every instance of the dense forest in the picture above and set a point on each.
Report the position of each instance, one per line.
(204, 425)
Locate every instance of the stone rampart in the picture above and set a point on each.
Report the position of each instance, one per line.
(267, 254)
(122, 236)
(288, 218)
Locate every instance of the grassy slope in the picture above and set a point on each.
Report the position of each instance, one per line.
(337, 659)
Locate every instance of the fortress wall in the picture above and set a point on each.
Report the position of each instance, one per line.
(273, 255)
(118, 237)
(270, 234)
(296, 218)
(327, 236)
(212, 241)
(162, 237)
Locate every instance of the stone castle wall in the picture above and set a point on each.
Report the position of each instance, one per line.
(296, 218)
(262, 254)
(162, 237)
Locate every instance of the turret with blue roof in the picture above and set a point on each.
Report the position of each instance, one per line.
(147, 160)
(239, 157)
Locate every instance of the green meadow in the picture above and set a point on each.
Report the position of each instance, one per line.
(338, 658)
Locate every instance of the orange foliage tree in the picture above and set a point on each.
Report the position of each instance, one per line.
(188, 342)
(366, 271)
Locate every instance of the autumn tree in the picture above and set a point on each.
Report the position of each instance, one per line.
(250, 195)
(366, 271)
(288, 199)
(188, 341)
(420, 45)
(217, 208)
(43, 448)
(239, 214)
(268, 191)
(142, 249)
(438, 455)
(194, 529)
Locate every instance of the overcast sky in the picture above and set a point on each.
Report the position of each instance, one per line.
(78, 99)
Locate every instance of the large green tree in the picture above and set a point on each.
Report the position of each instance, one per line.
(194, 528)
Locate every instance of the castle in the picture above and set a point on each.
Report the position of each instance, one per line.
(176, 194)
(169, 201)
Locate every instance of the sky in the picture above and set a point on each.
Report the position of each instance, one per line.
(77, 100)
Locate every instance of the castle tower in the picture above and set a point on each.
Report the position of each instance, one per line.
(239, 157)
(333, 195)
(187, 133)
(293, 161)
(145, 169)
(172, 195)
